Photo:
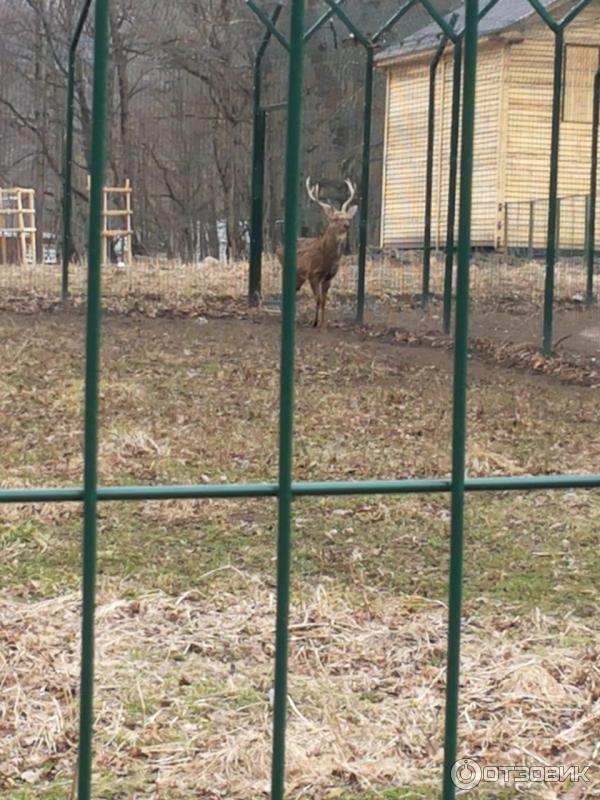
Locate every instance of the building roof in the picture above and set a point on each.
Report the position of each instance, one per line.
(502, 16)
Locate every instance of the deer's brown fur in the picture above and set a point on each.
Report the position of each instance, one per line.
(319, 258)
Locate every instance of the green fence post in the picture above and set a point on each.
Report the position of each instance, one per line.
(440, 18)
(318, 24)
(586, 225)
(591, 222)
(433, 67)
(286, 423)
(573, 12)
(487, 8)
(531, 229)
(268, 23)
(366, 156)
(558, 29)
(256, 219)
(92, 368)
(452, 184)
(68, 179)
(459, 432)
(68, 157)
(551, 246)
(394, 19)
(258, 172)
(363, 234)
(453, 173)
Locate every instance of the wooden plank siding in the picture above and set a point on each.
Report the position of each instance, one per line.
(529, 134)
(512, 140)
(406, 152)
(405, 147)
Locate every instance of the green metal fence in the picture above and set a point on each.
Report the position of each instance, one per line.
(286, 489)
(455, 37)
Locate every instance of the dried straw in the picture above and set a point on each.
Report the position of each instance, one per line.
(493, 279)
(184, 688)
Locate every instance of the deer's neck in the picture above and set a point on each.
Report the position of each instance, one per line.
(332, 245)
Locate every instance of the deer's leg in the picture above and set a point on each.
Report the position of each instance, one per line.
(315, 285)
(324, 289)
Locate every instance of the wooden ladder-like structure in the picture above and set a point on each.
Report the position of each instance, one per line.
(17, 226)
(117, 196)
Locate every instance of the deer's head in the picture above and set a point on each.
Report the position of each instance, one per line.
(339, 220)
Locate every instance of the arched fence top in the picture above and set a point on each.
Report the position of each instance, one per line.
(269, 31)
(442, 20)
(558, 25)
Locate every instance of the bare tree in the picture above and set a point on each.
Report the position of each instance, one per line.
(180, 107)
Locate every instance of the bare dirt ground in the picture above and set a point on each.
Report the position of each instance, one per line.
(186, 589)
(576, 331)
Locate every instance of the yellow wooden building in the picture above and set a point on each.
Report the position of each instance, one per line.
(513, 129)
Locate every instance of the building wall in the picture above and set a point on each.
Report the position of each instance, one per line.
(406, 150)
(512, 141)
(529, 121)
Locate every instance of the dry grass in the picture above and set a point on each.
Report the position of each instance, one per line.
(186, 605)
(493, 280)
(183, 699)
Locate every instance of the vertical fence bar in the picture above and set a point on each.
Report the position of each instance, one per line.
(68, 178)
(286, 409)
(92, 368)
(591, 225)
(433, 67)
(256, 219)
(366, 155)
(258, 170)
(318, 24)
(586, 224)
(68, 157)
(452, 184)
(459, 432)
(363, 235)
(551, 246)
(531, 229)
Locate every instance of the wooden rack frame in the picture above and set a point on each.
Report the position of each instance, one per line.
(17, 226)
(124, 217)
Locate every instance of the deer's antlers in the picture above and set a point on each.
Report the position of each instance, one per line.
(313, 193)
(352, 190)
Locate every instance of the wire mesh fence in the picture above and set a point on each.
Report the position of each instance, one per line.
(526, 227)
(497, 277)
(396, 281)
(507, 287)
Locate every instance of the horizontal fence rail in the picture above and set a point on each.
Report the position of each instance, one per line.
(303, 489)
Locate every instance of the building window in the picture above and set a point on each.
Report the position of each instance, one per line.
(581, 65)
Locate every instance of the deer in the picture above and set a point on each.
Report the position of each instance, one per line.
(319, 257)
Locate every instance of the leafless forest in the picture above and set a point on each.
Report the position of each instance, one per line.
(181, 77)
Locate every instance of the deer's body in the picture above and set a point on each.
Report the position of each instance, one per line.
(319, 258)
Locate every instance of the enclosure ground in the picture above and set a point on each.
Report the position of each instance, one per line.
(576, 332)
(506, 297)
(186, 611)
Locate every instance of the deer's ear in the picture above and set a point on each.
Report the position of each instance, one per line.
(329, 211)
(352, 212)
